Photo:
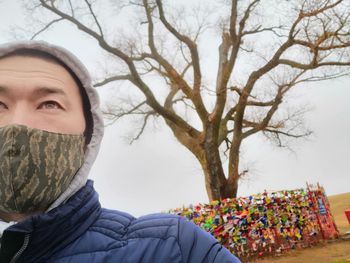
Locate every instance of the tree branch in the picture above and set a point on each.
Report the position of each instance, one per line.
(117, 114)
(95, 17)
(259, 29)
(71, 8)
(136, 79)
(288, 134)
(321, 10)
(197, 75)
(142, 129)
(47, 26)
(277, 136)
(172, 73)
(312, 65)
(111, 79)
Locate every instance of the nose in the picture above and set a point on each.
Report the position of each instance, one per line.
(20, 115)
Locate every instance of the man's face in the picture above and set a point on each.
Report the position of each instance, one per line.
(39, 94)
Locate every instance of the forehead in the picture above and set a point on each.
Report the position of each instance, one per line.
(27, 64)
(37, 70)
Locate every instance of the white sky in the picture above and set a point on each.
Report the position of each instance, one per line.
(156, 173)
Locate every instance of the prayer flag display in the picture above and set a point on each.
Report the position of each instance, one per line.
(267, 223)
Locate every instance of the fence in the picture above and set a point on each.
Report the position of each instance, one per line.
(267, 223)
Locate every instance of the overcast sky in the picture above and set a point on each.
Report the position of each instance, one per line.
(156, 173)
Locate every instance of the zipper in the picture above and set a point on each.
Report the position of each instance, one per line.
(21, 250)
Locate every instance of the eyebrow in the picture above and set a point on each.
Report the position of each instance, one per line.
(49, 90)
(3, 89)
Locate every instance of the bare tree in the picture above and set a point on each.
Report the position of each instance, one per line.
(267, 48)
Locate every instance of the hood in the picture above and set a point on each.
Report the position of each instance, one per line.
(72, 62)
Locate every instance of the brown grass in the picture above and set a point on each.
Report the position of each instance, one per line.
(339, 203)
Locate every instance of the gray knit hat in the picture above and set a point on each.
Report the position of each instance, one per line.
(75, 65)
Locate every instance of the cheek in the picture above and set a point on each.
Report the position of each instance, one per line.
(67, 123)
(78, 123)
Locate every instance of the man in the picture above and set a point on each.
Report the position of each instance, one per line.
(50, 132)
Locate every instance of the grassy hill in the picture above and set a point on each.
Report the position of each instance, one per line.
(339, 203)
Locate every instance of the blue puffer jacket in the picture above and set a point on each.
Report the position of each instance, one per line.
(81, 231)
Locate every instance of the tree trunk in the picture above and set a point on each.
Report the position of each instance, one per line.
(224, 190)
(214, 174)
(213, 190)
(205, 149)
(229, 189)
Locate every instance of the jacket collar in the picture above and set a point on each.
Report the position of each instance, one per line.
(51, 231)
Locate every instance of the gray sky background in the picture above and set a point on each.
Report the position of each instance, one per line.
(156, 173)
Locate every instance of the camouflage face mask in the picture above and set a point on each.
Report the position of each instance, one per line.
(36, 167)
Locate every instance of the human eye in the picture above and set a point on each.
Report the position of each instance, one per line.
(49, 105)
(3, 106)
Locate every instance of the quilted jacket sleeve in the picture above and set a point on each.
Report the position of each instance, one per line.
(199, 246)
